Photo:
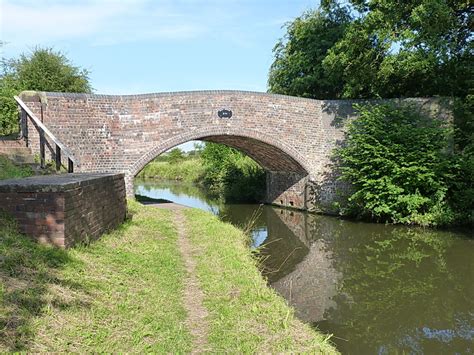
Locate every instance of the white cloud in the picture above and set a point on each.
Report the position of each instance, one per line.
(100, 22)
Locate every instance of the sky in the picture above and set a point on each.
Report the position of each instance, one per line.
(145, 46)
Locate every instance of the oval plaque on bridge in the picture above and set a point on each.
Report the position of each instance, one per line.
(224, 113)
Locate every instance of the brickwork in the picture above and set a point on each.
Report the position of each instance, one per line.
(286, 135)
(63, 210)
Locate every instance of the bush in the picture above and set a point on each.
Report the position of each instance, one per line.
(399, 164)
(231, 174)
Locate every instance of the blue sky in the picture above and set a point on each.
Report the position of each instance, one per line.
(147, 46)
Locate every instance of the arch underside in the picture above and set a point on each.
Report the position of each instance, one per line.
(268, 156)
(272, 155)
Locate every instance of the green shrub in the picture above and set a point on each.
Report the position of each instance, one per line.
(399, 162)
(231, 174)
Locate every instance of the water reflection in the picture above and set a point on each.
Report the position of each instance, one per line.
(378, 289)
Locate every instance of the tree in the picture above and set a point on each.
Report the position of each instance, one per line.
(409, 48)
(42, 70)
(297, 69)
(385, 49)
(175, 155)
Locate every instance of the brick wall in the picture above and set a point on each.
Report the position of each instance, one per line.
(286, 135)
(65, 209)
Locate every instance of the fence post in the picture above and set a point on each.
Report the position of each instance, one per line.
(58, 157)
(24, 126)
(70, 166)
(42, 154)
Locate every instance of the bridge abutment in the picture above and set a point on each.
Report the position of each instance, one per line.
(286, 189)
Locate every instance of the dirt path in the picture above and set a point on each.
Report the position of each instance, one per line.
(193, 296)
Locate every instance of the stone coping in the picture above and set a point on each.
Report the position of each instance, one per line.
(43, 95)
(53, 183)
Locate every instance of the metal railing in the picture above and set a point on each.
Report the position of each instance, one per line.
(43, 131)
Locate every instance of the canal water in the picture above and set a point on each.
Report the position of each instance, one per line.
(379, 289)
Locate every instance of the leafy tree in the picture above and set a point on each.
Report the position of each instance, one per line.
(9, 87)
(47, 70)
(43, 70)
(385, 49)
(175, 155)
(297, 69)
(410, 48)
(396, 159)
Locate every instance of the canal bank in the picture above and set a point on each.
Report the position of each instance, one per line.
(125, 292)
(377, 288)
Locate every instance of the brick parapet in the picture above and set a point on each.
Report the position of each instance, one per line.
(64, 210)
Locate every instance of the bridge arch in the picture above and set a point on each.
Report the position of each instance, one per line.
(271, 154)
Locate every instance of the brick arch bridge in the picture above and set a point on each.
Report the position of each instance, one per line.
(292, 138)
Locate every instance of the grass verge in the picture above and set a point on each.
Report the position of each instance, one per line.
(245, 315)
(122, 293)
(8, 170)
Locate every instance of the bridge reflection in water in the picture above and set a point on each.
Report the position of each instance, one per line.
(377, 288)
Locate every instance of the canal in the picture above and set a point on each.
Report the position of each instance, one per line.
(379, 289)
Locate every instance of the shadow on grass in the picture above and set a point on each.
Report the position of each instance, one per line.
(28, 273)
(145, 200)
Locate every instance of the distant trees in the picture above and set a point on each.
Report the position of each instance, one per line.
(175, 155)
(44, 70)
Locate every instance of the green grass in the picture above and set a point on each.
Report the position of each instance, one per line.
(124, 293)
(8, 170)
(245, 314)
(188, 170)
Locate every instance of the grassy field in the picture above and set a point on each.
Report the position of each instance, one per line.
(124, 293)
(188, 170)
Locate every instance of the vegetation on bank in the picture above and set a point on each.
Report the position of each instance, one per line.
(187, 170)
(8, 170)
(123, 293)
(225, 171)
(232, 174)
(403, 169)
